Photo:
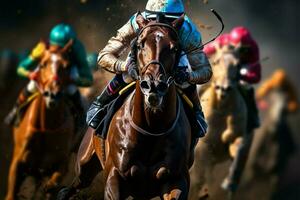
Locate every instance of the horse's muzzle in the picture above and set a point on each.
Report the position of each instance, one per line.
(154, 100)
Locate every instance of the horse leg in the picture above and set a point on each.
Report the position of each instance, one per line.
(239, 150)
(53, 182)
(199, 172)
(112, 189)
(84, 175)
(176, 190)
(239, 161)
(15, 178)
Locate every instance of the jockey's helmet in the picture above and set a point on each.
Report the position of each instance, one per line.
(61, 34)
(170, 8)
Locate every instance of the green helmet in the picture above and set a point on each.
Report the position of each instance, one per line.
(61, 34)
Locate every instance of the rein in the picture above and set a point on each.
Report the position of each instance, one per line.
(147, 133)
(169, 81)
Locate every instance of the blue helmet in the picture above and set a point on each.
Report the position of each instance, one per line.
(171, 8)
(61, 34)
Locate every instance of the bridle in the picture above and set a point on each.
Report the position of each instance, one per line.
(170, 81)
(40, 86)
(144, 86)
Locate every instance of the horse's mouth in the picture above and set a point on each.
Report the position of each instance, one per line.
(153, 102)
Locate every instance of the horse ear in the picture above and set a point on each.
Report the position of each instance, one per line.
(178, 22)
(67, 47)
(141, 21)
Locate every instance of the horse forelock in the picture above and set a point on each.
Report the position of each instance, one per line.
(157, 39)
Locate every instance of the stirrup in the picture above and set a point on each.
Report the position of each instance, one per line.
(92, 118)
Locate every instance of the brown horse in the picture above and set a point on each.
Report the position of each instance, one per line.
(42, 141)
(226, 115)
(147, 150)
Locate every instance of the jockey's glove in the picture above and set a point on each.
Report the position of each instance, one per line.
(181, 75)
(133, 70)
(244, 71)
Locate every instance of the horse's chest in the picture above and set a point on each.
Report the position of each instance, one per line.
(145, 151)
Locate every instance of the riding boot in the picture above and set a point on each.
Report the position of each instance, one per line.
(16, 114)
(95, 112)
(253, 120)
(201, 126)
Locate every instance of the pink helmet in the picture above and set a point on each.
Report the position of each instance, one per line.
(240, 35)
(223, 40)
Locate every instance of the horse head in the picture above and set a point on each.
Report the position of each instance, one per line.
(157, 54)
(54, 74)
(279, 92)
(226, 72)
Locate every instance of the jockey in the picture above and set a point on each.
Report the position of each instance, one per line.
(244, 46)
(247, 50)
(190, 38)
(60, 35)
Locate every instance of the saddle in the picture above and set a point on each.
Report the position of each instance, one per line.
(109, 110)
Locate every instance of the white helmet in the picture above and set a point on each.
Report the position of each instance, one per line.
(171, 8)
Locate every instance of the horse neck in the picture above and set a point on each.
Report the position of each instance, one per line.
(157, 121)
(43, 118)
(279, 105)
(224, 104)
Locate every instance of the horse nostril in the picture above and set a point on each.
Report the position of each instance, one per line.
(46, 93)
(145, 85)
(162, 88)
(52, 104)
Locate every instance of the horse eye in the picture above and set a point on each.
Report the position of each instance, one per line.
(217, 87)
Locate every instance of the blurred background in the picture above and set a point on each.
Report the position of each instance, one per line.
(274, 24)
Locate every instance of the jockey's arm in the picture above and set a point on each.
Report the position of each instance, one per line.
(108, 58)
(85, 78)
(191, 39)
(202, 71)
(28, 64)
